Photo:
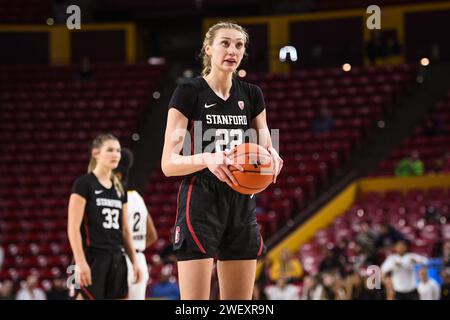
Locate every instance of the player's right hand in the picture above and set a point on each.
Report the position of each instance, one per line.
(218, 164)
(83, 274)
(137, 273)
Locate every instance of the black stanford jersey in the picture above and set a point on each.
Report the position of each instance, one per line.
(101, 228)
(216, 124)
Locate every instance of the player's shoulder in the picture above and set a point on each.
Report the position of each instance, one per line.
(134, 194)
(85, 178)
(83, 184)
(248, 87)
(191, 84)
(131, 193)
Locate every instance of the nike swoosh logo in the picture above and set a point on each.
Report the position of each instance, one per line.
(252, 196)
(98, 191)
(209, 105)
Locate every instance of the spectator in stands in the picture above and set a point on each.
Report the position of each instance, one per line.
(400, 266)
(264, 276)
(430, 128)
(258, 292)
(340, 250)
(85, 73)
(331, 262)
(387, 282)
(58, 290)
(442, 253)
(324, 121)
(7, 290)
(356, 287)
(446, 254)
(411, 166)
(387, 236)
(30, 290)
(433, 215)
(287, 267)
(366, 236)
(446, 163)
(338, 288)
(364, 257)
(375, 47)
(283, 290)
(328, 279)
(428, 288)
(313, 288)
(445, 288)
(164, 288)
(442, 165)
(393, 46)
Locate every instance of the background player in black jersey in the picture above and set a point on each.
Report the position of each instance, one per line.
(98, 228)
(214, 221)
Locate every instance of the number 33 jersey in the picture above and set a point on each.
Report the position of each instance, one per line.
(216, 124)
(101, 227)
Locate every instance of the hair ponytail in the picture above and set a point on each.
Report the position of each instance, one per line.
(118, 185)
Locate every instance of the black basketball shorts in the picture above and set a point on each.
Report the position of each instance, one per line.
(109, 276)
(214, 221)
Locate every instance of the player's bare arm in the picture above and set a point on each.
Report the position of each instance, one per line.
(75, 215)
(152, 234)
(128, 244)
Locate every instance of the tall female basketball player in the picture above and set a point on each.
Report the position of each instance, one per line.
(213, 220)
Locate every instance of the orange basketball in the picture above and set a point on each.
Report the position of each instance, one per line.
(258, 168)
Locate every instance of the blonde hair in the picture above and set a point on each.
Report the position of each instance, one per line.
(97, 143)
(211, 35)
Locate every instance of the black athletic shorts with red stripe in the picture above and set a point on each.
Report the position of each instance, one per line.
(109, 276)
(214, 221)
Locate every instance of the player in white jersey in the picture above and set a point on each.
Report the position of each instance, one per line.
(141, 226)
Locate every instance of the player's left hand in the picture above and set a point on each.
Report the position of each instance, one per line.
(137, 273)
(277, 162)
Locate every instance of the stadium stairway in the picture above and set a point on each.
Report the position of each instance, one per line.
(411, 111)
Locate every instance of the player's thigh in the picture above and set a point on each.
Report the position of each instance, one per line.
(194, 277)
(236, 279)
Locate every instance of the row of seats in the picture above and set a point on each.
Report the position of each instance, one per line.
(325, 74)
(25, 11)
(431, 138)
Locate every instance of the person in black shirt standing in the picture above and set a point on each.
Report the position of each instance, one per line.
(213, 220)
(97, 226)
